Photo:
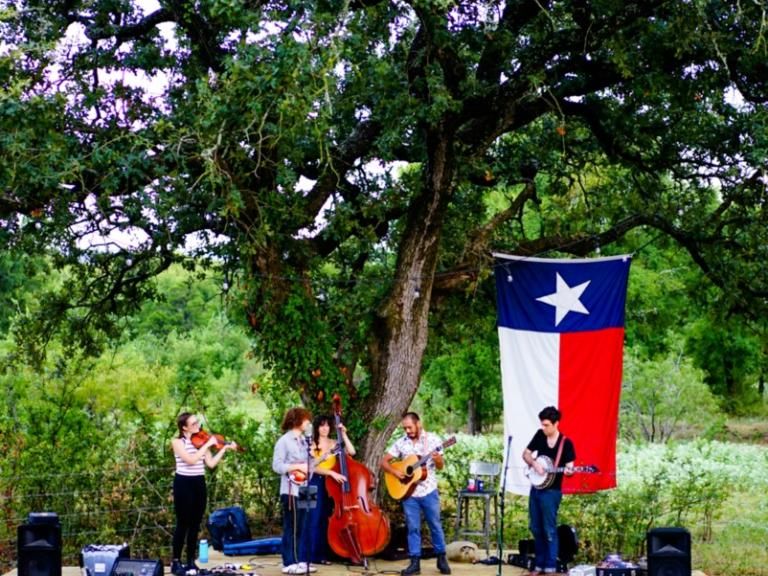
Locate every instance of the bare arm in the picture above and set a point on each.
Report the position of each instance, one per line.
(212, 460)
(386, 465)
(348, 446)
(529, 459)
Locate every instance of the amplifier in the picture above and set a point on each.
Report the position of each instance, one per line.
(136, 567)
(98, 559)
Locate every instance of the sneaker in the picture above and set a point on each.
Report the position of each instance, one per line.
(301, 568)
(177, 568)
(288, 569)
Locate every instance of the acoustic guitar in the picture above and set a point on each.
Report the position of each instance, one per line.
(415, 471)
(546, 480)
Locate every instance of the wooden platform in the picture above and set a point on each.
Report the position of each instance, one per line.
(271, 566)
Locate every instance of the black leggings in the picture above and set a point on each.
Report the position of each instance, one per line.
(189, 501)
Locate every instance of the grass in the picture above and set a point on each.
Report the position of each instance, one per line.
(739, 543)
(749, 430)
(735, 543)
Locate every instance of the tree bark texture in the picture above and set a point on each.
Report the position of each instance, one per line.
(399, 337)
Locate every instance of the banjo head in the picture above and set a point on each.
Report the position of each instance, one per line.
(542, 480)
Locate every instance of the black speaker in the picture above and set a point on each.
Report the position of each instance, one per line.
(526, 547)
(669, 552)
(136, 567)
(397, 547)
(39, 548)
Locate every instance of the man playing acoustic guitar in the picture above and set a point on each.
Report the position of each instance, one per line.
(424, 498)
(548, 450)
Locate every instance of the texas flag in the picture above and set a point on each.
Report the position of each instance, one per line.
(561, 336)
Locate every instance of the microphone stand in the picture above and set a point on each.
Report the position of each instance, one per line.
(500, 534)
(308, 502)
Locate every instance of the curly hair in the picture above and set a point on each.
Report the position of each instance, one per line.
(294, 417)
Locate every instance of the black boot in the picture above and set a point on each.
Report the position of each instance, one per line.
(413, 568)
(442, 564)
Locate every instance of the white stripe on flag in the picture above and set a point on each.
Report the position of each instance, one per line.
(530, 381)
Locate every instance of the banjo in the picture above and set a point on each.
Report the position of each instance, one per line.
(546, 480)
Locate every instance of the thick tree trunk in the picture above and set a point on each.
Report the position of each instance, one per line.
(400, 333)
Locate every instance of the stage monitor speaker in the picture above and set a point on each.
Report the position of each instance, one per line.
(136, 567)
(669, 552)
(39, 549)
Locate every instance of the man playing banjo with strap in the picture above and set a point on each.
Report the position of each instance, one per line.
(548, 450)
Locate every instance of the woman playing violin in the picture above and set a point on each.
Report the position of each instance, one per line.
(323, 450)
(189, 491)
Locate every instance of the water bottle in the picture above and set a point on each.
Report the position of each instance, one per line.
(202, 554)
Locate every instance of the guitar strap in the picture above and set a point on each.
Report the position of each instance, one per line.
(559, 451)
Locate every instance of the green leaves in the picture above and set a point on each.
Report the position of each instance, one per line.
(329, 157)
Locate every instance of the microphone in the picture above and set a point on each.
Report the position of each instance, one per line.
(308, 446)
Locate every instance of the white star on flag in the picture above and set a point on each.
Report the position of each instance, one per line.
(565, 299)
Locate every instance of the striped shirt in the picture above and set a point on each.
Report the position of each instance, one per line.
(184, 469)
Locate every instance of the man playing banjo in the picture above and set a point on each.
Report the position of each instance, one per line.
(549, 455)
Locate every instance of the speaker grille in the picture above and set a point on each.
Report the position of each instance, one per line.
(669, 567)
(39, 549)
(39, 564)
(669, 552)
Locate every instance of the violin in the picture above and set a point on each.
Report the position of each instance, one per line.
(200, 437)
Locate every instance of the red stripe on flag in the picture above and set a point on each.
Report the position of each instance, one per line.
(589, 391)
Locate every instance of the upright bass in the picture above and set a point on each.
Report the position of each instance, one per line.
(358, 528)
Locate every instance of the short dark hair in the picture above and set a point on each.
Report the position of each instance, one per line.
(550, 413)
(412, 415)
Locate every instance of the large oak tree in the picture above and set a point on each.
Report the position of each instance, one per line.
(348, 164)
